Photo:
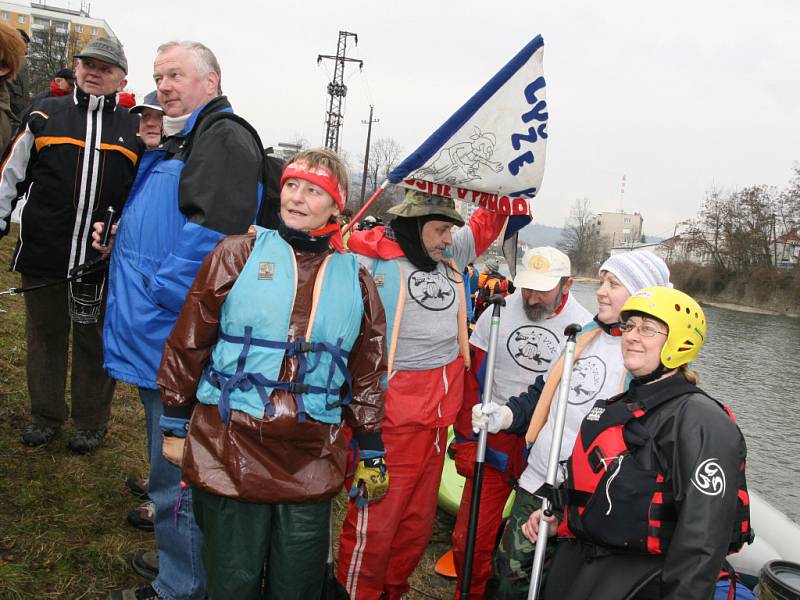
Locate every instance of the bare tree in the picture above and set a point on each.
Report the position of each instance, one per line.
(737, 229)
(581, 239)
(384, 155)
(789, 202)
(51, 50)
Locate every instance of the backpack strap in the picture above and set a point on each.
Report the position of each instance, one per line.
(271, 166)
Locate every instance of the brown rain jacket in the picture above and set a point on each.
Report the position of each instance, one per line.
(276, 459)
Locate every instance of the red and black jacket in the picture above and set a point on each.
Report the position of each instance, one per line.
(73, 157)
(660, 470)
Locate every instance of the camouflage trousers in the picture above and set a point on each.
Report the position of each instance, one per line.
(513, 560)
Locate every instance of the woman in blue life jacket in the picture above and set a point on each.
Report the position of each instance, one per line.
(279, 343)
(655, 495)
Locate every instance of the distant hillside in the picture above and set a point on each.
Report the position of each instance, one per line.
(540, 235)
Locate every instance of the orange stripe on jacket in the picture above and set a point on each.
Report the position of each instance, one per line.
(45, 141)
(131, 156)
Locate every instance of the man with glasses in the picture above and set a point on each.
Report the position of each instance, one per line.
(530, 340)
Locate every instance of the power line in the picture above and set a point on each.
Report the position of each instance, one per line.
(366, 153)
(337, 90)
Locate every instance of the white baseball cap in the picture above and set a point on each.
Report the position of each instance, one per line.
(543, 269)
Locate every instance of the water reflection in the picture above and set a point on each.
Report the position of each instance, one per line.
(750, 363)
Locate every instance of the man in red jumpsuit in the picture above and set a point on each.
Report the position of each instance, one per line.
(416, 261)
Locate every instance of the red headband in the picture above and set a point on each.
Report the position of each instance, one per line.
(317, 175)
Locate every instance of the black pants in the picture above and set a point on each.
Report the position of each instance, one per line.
(262, 551)
(47, 331)
(572, 576)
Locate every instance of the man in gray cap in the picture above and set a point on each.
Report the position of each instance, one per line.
(73, 157)
(416, 261)
(152, 115)
(150, 133)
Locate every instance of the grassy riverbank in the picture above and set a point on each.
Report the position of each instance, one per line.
(63, 532)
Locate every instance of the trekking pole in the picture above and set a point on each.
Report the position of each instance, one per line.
(83, 270)
(552, 463)
(480, 454)
(88, 268)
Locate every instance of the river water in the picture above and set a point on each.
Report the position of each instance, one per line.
(751, 363)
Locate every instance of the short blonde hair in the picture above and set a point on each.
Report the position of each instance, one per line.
(327, 159)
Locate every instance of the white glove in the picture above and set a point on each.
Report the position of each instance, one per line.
(493, 417)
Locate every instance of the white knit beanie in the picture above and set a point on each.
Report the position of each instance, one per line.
(637, 270)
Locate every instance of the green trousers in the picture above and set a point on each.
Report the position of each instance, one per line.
(262, 551)
(513, 560)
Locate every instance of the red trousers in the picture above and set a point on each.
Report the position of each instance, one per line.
(494, 493)
(381, 543)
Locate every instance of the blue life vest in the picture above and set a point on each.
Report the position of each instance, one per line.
(254, 323)
(388, 277)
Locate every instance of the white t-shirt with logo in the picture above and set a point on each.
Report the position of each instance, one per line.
(525, 348)
(598, 373)
(428, 334)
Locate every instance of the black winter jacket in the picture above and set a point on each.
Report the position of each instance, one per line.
(700, 451)
(73, 156)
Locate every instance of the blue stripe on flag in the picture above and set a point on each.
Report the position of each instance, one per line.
(515, 223)
(434, 143)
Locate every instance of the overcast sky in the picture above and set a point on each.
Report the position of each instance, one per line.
(676, 96)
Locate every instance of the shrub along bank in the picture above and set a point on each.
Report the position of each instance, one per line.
(774, 290)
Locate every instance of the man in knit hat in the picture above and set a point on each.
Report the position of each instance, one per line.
(598, 372)
(530, 340)
(73, 157)
(416, 261)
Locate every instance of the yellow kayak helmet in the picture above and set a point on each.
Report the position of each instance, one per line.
(682, 315)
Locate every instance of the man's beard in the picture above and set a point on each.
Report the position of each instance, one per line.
(537, 312)
(540, 311)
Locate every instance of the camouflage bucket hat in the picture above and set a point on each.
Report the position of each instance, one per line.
(420, 204)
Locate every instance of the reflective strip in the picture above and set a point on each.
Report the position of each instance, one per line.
(129, 154)
(14, 169)
(85, 204)
(21, 239)
(358, 552)
(44, 141)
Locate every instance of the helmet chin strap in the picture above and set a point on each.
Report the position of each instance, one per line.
(659, 371)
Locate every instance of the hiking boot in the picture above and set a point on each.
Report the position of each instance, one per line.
(138, 487)
(38, 435)
(145, 563)
(142, 516)
(143, 593)
(86, 440)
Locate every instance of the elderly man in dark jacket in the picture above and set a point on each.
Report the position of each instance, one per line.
(72, 158)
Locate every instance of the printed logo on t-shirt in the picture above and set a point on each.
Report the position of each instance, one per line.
(588, 377)
(533, 348)
(431, 290)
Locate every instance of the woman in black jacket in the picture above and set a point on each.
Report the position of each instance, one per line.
(656, 494)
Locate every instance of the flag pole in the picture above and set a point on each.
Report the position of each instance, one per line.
(366, 206)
